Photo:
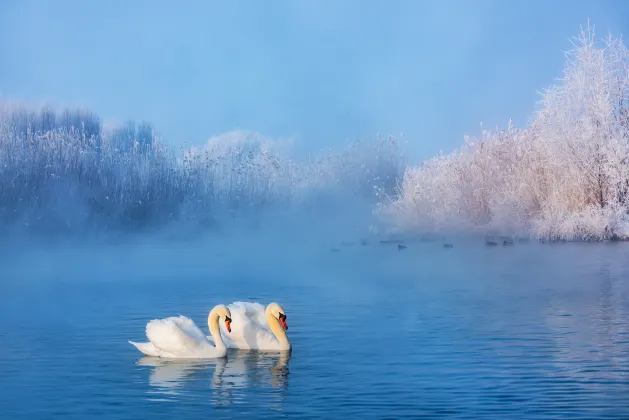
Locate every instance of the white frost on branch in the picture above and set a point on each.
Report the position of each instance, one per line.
(564, 176)
(65, 172)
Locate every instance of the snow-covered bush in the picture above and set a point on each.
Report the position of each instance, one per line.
(564, 176)
(66, 173)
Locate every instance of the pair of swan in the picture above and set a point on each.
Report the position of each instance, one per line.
(254, 328)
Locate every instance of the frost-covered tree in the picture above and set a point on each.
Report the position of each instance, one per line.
(565, 176)
(65, 172)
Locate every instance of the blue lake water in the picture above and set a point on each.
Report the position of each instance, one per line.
(529, 331)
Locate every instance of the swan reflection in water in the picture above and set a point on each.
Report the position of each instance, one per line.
(230, 377)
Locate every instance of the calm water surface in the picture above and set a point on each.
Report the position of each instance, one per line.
(529, 331)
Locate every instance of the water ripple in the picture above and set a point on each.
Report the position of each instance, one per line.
(371, 340)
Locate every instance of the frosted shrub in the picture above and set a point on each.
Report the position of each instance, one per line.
(565, 176)
(65, 173)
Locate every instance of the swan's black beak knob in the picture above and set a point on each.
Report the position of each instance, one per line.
(228, 322)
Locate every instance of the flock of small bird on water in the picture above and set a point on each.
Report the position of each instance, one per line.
(490, 241)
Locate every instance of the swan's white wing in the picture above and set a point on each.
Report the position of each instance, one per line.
(189, 327)
(175, 335)
(256, 312)
(253, 312)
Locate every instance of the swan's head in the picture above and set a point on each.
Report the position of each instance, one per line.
(278, 312)
(223, 312)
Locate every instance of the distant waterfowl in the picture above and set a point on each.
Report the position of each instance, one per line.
(257, 327)
(391, 241)
(448, 245)
(491, 243)
(400, 247)
(180, 338)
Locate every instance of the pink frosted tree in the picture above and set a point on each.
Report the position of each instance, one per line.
(565, 176)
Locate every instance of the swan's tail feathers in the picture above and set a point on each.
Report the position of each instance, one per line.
(146, 348)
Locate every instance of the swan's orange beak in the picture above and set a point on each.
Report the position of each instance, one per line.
(283, 321)
(228, 324)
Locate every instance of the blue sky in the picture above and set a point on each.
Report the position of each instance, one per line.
(322, 72)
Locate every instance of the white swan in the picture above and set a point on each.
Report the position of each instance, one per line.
(257, 328)
(180, 338)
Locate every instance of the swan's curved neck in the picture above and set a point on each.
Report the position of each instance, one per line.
(215, 331)
(277, 330)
